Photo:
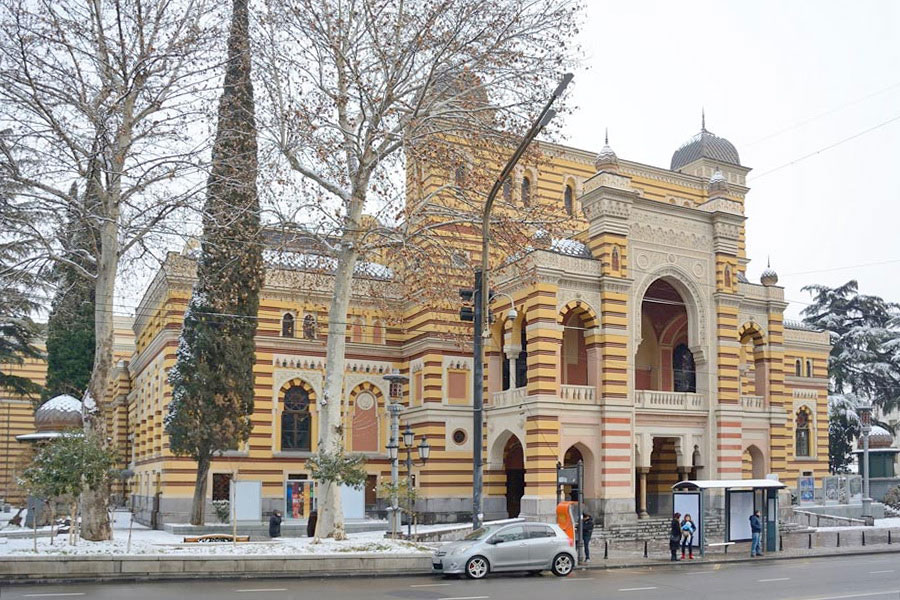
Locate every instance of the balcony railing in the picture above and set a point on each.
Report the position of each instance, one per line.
(753, 403)
(656, 399)
(510, 397)
(578, 394)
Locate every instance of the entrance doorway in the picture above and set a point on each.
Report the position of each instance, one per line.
(514, 466)
(571, 458)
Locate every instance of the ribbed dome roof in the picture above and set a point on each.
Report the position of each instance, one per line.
(58, 414)
(705, 145)
(880, 437)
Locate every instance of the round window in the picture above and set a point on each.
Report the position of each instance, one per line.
(459, 437)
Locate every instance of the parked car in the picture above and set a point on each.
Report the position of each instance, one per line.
(531, 547)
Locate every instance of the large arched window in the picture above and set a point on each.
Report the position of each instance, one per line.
(569, 199)
(377, 333)
(809, 372)
(685, 375)
(309, 327)
(802, 433)
(526, 191)
(295, 420)
(798, 368)
(287, 325)
(522, 361)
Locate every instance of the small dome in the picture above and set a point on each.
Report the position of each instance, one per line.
(606, 160)
(718, 183)
(769, 276)
(58, 414)
(705, 145)
(880, 437)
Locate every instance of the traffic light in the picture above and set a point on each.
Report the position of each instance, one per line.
(467, 310)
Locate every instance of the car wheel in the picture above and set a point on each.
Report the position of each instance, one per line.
(477, 567)
(562, 564)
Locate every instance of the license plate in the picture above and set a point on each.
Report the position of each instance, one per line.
(437, 565)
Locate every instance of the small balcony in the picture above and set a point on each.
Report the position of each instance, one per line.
(510, 397)
(669, 401)
(753, 403)
(578, 394)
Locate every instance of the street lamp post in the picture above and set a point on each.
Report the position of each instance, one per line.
(424, 450)
(481, 302)
(864, 411)
(396, 381)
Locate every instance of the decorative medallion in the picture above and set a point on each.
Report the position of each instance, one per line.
(643, 261)
(698, 270)
(671, 258)
(365, 401)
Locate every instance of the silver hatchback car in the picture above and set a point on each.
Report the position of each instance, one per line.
(514, 547)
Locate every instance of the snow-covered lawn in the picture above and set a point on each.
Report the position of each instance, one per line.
(892, 522)
(145, 541)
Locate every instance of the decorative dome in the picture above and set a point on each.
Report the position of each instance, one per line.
(58, 414)
(606, 160)
(705, 145)
(717, 183)
(769, 277)
(880, 437)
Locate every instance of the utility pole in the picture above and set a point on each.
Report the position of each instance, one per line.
(480, 298)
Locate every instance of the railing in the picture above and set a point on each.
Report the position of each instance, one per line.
(655, 399)
(753, 403)
(578, 394)
(509, 397)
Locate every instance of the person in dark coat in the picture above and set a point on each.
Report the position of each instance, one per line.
(675, 535)
(587, 530)
(756, 531)
(311, 523)
(275, 524)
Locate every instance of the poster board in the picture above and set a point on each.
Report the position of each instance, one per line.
(807, 489)
(247, 500)
(688, 503)
(855, 483)
(740, 507)
(353, 502)
(832, 490)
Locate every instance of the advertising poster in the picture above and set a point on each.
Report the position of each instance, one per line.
(855, 482)
(831, 486)
(688, 503)
(740, 507)
(807, 487)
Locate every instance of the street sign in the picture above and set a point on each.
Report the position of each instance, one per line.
(567, 476)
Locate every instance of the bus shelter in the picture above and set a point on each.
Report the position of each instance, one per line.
(732, 500)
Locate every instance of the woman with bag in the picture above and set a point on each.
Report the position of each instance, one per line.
(675, 535)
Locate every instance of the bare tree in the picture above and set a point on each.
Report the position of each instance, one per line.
(104, 99)
(360, 92)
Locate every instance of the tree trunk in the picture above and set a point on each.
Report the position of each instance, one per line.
(95, 501)
(331, 514)
(198, 506)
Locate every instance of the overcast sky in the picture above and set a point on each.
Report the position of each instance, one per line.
(780, 80)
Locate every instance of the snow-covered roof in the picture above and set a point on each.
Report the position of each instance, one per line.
(799, 325)
(63, 402)
(570, 248)
(309, 261)
(720, 484)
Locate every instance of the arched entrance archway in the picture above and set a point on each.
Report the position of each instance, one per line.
(514, 467)
(753, 464)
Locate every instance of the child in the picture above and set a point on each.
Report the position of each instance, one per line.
(687, 536)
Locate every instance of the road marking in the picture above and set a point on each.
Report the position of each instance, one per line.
(430, 585)
(862, 595)
(773, 579)
(640, 589)
(466, 598)
(885, 571)
(262, 590)
(50, 595)
(576, 579)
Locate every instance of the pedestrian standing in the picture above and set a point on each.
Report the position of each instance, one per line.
(675, 535)
(311, 523)
(587, 530)
(275, 524)
(687, 536)
(756, 531)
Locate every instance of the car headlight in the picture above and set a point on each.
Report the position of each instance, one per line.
(462, 549)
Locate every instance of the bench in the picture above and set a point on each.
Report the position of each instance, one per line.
(216, 537)
(726, 544)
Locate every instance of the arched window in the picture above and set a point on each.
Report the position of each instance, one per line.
(507, 189)
(356, 331)
(377, 333)
(809, 368)
(801, 433)
(365, 424)
(309, 327)
(616, 261)
(569, 199)
(526, 191)
(287, 325)
(295, 422)
(460, 176)
(522, 361)
(798, 368)
(727, 276)
(685, 375)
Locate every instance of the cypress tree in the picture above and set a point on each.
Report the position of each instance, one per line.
(70, 328)
(212, 379)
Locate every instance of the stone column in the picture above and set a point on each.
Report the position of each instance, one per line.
(642, 474)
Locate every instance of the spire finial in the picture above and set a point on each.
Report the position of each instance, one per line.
(768, 261)
(702, 119)
(606, 136)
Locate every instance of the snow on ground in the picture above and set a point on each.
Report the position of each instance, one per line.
(892, 522)
(145, 541)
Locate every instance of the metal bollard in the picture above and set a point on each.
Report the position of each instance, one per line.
(839, 539)
(810, 542)
(780, 543)
(863, 538)
(645, 549)
(605, 549)
(889, 536)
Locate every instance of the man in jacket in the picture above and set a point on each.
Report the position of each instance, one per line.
(587, 530)
(756, 530)
(275, 524)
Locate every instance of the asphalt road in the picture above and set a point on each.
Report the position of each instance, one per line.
(873, 577)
